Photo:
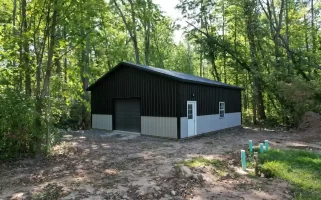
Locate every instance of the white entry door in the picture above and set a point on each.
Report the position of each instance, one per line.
(191, 118)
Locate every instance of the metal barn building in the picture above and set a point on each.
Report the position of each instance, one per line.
(162, 103)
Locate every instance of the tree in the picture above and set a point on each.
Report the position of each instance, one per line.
(267, 41)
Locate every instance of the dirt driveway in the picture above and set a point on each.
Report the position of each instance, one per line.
(101, 165)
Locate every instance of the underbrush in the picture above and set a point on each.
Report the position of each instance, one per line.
(300, 168)
(22, 131)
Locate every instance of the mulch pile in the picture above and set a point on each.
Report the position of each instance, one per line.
(311, 122)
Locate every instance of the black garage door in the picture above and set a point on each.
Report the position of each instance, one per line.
(127, 115)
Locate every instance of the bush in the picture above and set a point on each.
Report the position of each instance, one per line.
(299, 97)
(18, 135)
(76, 116)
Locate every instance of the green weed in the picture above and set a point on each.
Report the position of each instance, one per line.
(199, 162)
(300, 168)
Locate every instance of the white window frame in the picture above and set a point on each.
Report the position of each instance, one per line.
(219, 108)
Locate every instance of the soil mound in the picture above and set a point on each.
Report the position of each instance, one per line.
(311, 122)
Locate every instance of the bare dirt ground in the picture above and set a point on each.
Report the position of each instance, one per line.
(102, 165)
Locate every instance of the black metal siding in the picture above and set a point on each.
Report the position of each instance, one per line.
(208, 98)
(157, 94)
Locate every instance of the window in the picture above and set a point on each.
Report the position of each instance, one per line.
(190, 111)
(222, 109)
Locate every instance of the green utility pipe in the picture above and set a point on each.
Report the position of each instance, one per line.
(261, 148)
(250, 146)
(266, 145)
(243, 159)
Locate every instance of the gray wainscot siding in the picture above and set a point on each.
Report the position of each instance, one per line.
(104, 122)
(159, 126)
(209, 123)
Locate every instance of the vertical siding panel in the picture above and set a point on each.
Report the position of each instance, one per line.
(208, 98)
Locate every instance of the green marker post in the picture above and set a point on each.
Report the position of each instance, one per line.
(266, 145)
(261, 148)
(243, 159)
(250, 146)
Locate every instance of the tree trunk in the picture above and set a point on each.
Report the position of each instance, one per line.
(314, 45)
(85, 77)
(313, 34)
(258, 104)
(65, 57)
(52, 42)
(224, 53)
(189, 58)
(14, 32)
(245, 93)
(84, 72)
(307, 43)
(14, 12)
(235, 50)
(147, 42)
(25, 48)
(134, 37)
(289, 69)
(201, 63)
(214, 68)
(254, 98)
(260, 100)
(147, 29)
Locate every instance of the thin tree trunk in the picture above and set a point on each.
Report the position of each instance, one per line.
(147, 43)
(314, 45)
(224, 53)
(313, 34)
(201, 44)
(235, 50)
(214, 67)
(245, 94)
(65, 57)
(147, 31)
(289, 69)
(134, 37)
(260, 100)
(14, 12)
(189, 59)
(52, 42)
(85, 77)
(25, 48)
(14, 32)
(201, 63)
(21, 69)
(307, 43)
(254, 106)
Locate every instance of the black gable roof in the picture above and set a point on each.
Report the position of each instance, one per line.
(167, 73)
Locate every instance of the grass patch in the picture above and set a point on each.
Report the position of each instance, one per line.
(300, 168)
(199, 162)
(219, 167)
